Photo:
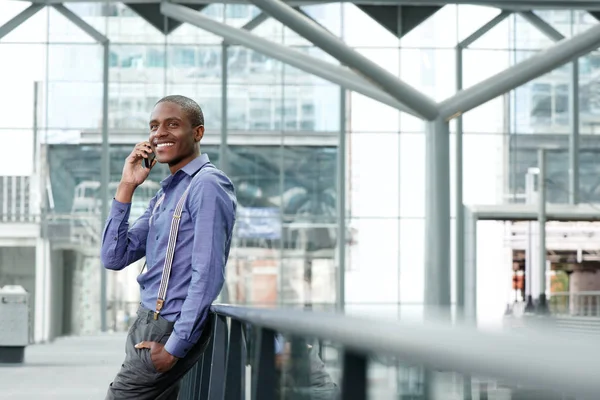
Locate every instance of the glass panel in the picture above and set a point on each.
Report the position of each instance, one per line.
(422, 69)
(63, 30)
(16, 159)
(412, 175)
(378, 36)
(271, 29)
(372, 262)
(529, 37)
(309, 186)
(488, 117)
(130, 105)
(328, 15)
(137, 63)
(74, 105)
(33, 30)
(17, 78)
(126, 26)
(471, 18)
(373, 174)
(589, 99)
(239, 14)
(95, 14)
(254, 107)
(412, 267)
(75, 63)
(561, 20)
(249, 67)
(483, 160)
(194, 64)
(542, 105)
(494, 259)
(439, 30)
(361, 110)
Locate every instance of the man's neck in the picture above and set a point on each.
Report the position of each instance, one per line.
(183, 162)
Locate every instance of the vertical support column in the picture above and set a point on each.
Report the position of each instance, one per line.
(104, 176)
(437, 218)
(36, 93)
(574, 136)
(223, 161)
(223, 147)
(542, 307)
(459, 218)
(341, 195)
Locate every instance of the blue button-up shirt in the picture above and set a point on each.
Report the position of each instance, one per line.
(201, 251)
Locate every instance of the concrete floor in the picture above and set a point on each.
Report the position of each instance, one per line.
(72, 368)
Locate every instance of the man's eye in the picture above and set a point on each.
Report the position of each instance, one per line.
(173, 124)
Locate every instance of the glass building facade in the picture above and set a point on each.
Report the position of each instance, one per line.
(283, 135)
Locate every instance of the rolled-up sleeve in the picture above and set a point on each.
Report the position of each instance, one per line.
(122, 245)
(213, 213)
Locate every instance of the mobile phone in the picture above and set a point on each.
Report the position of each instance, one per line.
(148, 161)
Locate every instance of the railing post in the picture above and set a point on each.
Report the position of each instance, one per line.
(206, 365)
(354, 378)
(264, 380)
(216, 388)
(235, 382)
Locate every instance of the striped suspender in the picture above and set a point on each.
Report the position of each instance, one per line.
(164, 282)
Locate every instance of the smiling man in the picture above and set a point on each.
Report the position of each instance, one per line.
(185, 235)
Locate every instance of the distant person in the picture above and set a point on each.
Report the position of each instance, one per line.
(195, 211)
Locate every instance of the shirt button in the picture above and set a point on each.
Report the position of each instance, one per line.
(122, 211)
(116, 237)
(143, 287)
(156, 237)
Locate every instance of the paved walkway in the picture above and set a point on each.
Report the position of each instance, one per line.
(72, 368)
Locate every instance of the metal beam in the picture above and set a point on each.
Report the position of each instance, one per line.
(341, 204)
(521, 73)
(325, 70)
(437, 218)
(336, 47)
(255, 22)
(542, 25)
(459, 226)
(504, 4)
(484, 29)
(542, 306)
(18, 19)
(555, 35)
(80, 23)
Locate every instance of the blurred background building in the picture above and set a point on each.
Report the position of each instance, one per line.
(283, 131)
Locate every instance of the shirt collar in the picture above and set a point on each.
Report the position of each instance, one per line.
(189, 169)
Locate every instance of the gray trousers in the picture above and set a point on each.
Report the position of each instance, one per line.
(138, 379)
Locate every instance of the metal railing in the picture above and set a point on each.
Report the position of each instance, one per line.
(242, 360)
(581, 304)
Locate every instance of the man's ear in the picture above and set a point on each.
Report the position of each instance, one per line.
(198, 133)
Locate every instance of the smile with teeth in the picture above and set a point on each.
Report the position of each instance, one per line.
(160, 145)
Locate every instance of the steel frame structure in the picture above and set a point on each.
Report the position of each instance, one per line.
(524, 5)
(358, 73)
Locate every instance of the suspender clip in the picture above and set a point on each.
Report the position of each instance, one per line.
(159, 306)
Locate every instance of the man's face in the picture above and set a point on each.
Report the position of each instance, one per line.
(172, 137)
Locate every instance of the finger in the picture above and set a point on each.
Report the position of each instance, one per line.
(144, 345)
(142, 153)
(153, 163)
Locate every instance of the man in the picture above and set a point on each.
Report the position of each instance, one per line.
(172, 328)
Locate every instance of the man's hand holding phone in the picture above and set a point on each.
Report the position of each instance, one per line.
(135, 171)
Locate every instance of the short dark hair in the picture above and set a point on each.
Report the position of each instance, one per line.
(189, 106)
